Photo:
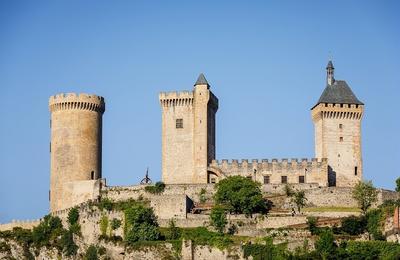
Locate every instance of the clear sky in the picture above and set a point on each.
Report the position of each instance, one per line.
(265, 61)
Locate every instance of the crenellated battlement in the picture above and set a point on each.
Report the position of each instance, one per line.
(170, 99)
(338, 111)
(80, 101)
(265, 164)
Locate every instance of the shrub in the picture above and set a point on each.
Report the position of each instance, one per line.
(202, 236)
(240, 195)
(354, 225)
(105, 203)
(202, 196)
(104, 225)
(91, 253)
(312, 225)
(398, 184)
(156, 189)
(232, 229)
(115, 223)
(269, 251)
(325, 245)
(218, 218)
(374, 224)
(173, 231)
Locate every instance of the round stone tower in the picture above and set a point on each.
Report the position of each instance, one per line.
(75, 148)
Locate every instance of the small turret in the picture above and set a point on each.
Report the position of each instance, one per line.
(330, 79)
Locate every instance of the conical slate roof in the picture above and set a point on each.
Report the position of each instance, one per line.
(201, 80)
(338, 93)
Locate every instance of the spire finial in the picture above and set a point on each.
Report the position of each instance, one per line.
(201, 80)
(330, 79)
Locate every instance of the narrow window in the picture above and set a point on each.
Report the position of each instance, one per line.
(212, 180)
(92, 175)
(50, 147)
(284, 179)
(355, 171)
(340, 126)
(266, 179)
(179, 123)
(301, 179)
(341, 139)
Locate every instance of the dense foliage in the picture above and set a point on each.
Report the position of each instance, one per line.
(156, 189)
(240, 195)
(325, 246)
(218, 218)
(267, 251)
(91, 253)
(365, 194)
(140, 224)
(48, 232)
(398, 184)
(354, 225)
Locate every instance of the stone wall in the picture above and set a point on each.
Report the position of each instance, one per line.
(313, 172)
(75, 148)
(338, 138)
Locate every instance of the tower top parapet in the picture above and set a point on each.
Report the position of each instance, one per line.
(82, 101)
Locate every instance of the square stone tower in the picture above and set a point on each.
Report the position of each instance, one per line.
(337, 123)
(188, 133)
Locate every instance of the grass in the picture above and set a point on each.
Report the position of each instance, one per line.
(331, 209)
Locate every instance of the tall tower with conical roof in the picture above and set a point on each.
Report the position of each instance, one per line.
(337, 123)
(188, 133)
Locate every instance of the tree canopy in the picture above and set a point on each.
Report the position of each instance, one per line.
(365, 194)
(240, 195)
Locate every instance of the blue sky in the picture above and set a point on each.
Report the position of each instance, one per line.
(265, 61)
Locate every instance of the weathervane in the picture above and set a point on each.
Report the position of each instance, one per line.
(146, 179)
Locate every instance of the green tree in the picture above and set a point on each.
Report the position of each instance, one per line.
(73, 216)
(288, 190)
(325, 245)
(68, 244)
(240, 195)
(140, 224)
(299, 198)
(48, 232)
(218, 218)
(398, 184)
(365, 194)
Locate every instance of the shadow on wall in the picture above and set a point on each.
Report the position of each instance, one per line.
(331, 177)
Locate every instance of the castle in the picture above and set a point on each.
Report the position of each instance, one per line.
(188, 144)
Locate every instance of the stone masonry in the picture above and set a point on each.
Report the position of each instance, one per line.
(75, 148)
